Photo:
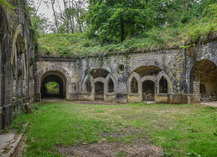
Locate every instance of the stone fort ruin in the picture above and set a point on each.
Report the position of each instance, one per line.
(169, 75)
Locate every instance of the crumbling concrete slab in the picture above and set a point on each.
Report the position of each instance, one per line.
(5, 140)
(9, 143)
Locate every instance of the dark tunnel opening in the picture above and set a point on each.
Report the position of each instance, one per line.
(45, 93)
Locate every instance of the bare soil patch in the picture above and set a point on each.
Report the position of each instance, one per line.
(98, 102)
(21, 149)
(140, 147)
(210, 104)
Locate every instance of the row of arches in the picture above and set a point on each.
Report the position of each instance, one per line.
(148, 88)
(145, 81)
(99, 86)
(149, 85)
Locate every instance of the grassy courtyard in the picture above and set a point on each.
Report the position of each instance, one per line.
(64, 128)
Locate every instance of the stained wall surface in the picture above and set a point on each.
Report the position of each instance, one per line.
(16, 59)
(171, 69)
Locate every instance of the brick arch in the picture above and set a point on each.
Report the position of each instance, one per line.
(164, 68)
(115, 76)
(169, 82)
(203, 73)
(114, 81)
(53, 69)
(100, 79)
(138, 78)
(103, 67)
(207, 57)
(148, 78)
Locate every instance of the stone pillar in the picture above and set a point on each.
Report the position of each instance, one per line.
(195, 98)
(196, 87)
(121, 93)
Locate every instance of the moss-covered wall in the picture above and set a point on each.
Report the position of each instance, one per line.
(17, 50)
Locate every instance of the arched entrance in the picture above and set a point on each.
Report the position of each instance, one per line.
(141, 83)
(134, 86)
(148, 90)
(110, 86)
(99, 76)
(163, 85)
(53, 85)
(204, 80)
(99, 90)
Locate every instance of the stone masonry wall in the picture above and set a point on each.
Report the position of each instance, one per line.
(16, 52)
(174, 65)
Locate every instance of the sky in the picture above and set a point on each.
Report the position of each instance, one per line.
(45, 10)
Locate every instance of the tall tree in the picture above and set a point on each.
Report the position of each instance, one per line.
(114, 20)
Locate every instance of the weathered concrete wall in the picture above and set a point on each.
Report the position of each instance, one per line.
(173, 65)
(16, 51)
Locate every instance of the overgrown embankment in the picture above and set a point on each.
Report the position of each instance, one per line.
(176, 34)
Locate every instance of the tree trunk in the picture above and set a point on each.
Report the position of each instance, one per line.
(55, 17)
(66, 14)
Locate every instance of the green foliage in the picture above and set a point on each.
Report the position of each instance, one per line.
(116, 20)
(6, 4)
(52, 87)
(183, 28)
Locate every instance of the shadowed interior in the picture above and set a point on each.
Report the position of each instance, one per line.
(163, 85)
(148, 90)
(204, 80)
(99, 91)
(52, 78)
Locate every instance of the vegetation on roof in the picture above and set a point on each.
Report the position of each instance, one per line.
(178, 27)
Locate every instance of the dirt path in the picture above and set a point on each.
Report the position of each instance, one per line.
(84, 102)
(139, 148)
(210, 104)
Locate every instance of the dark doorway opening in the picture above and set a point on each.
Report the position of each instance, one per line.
(204, 80)
(148, 91)
(134, 85)
(110, 86)
(163, 88)
(99, 91)
(52, 86)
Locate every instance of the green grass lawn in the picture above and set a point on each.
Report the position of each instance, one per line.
(181, 130)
